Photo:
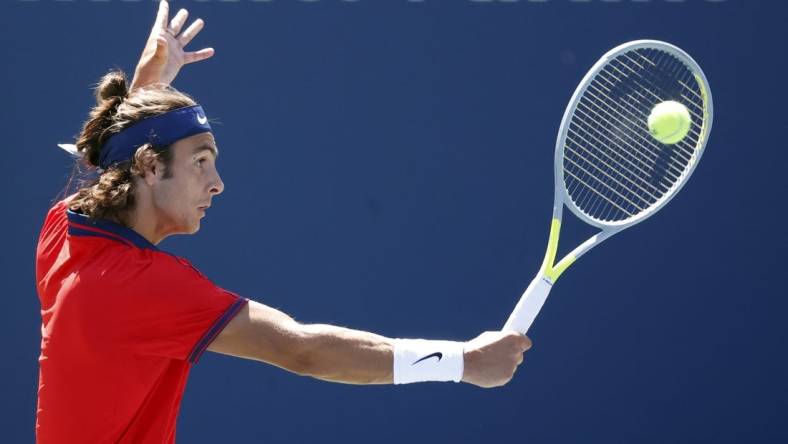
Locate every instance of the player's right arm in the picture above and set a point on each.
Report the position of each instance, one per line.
(349, 356)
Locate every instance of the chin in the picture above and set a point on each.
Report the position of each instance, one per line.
(189, 227)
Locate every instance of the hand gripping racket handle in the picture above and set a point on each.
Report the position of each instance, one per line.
(529, 305)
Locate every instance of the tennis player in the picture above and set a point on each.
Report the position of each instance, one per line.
(124, 321)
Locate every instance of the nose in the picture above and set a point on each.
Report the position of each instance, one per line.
(217, 186)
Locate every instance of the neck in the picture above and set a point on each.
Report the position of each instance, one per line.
(142, 219)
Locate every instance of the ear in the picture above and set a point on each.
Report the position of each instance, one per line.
(151, 170)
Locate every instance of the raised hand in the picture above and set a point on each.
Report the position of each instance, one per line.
(164, 54)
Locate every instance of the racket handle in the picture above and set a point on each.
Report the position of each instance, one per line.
(529, 305)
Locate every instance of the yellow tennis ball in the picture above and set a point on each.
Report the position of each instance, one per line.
(669, 122)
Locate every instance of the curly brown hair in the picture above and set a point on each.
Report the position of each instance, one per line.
(111, 194)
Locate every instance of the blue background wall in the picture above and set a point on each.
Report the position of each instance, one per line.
(387, 161)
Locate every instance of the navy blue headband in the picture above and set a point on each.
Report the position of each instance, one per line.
(161, 130)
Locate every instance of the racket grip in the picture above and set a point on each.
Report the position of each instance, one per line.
(529, 305)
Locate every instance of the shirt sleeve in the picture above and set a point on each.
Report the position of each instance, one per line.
(167, 309)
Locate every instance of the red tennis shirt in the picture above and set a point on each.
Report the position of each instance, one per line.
(122, 324)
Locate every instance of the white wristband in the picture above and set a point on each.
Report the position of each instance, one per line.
(418, 360)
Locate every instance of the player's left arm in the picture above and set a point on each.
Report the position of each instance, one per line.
(164, 54)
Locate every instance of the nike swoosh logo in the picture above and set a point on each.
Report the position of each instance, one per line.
(438, 355)
(202, 120)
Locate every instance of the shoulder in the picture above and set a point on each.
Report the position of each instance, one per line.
(58, 209)
(55, 223)
(168, 269)
(57, 212)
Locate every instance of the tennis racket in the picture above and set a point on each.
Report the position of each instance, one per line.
(609, 170)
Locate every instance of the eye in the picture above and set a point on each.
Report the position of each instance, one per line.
(201, 161)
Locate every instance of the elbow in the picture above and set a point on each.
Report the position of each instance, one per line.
(316, 352)
(319, 358)
(303, 364)
(316, 366)
(311, 355)
(300, 354)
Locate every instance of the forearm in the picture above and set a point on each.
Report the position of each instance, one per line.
(343, 355)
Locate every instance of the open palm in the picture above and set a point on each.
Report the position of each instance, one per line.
(164, 53)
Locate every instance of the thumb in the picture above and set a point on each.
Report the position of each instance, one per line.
(525, 343)
(161, 47)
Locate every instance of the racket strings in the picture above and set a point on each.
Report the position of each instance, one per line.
(613, 168)
(631, 176)
(646, 150)
(631, 115)
(632, 164)
(647, 88)
(633, 145)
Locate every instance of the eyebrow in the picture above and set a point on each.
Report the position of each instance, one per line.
(207, 147)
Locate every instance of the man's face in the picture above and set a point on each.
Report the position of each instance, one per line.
(180, 201)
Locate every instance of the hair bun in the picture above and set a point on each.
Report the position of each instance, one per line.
(112, 86)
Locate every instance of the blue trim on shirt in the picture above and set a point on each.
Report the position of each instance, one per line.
(215, 329)
(109, 226)
(74, 231)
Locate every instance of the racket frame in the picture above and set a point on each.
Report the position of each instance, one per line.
(537, 291)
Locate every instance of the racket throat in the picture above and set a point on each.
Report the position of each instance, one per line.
(550, 270)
